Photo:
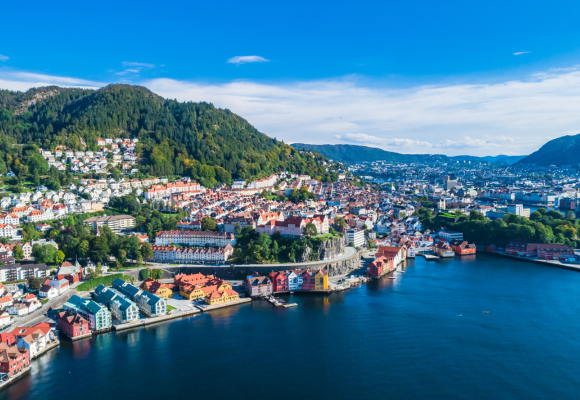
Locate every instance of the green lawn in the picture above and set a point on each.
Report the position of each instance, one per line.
(104, 280)
(171, 308)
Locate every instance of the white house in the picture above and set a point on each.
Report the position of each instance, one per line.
(47, 292)
(60, 285)
(292, 281)
(19, 309)
(4, 318)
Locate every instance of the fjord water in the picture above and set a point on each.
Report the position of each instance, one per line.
(422, 335)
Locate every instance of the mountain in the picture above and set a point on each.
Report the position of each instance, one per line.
(564, 150)
(207, 143)
(491, 159)
(352, 153)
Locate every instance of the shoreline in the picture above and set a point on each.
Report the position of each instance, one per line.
(551, 263)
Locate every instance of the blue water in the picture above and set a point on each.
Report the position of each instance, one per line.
(421, 336)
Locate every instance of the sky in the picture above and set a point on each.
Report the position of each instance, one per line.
(444, 77)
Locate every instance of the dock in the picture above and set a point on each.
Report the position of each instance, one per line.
(429, 257)
(279, 302)
(152, 320)
(205, 307)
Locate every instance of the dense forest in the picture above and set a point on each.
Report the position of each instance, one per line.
(542, 227)
(209, 144)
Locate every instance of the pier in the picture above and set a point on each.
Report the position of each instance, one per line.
(276, 302)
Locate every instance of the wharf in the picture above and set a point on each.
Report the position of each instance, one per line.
(74, 339)
(550, 263)
(14, 379)
(153, 320)
(205, 308)
(48, 348)
(429, 257)
(279, 302)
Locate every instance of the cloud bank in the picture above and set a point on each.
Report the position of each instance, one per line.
(511, 117)
(4, 58)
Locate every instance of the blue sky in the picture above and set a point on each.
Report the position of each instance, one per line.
(451, 77)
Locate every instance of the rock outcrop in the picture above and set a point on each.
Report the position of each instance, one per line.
(324, 250)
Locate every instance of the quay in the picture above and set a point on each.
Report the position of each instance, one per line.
(205, 308)
(15, 378)
(551, 263)
(279, 302)
(428, 257)
(153, 320)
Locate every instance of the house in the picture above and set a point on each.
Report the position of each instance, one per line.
(4, 318)
(19, 309)
(47, 292)
(6, 302)
(380, 266)
(13, 360)
(397, 253)
(222, 296)
(256, 285)
(321, 280)
(279, 282)
(34, 338)
(292, 279)
(443, 249)
(73, 325)
(462, 248)
(98, 315)
(61, 285)
(308, 280)
(160, 289)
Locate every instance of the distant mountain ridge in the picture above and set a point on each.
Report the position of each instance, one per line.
(353, 153)
(564, 150)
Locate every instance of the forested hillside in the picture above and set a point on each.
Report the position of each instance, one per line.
(197, 139)
(353, 153)
(561, 151)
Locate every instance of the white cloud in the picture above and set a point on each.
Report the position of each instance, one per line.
(519, 53)
(246, 59)
(127, 71)
(4, 58)
(510, 117)
(137, 64)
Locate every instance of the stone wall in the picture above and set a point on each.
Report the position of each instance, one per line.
(241, 271)
(326, 250)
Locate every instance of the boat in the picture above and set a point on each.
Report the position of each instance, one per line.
(392, 277)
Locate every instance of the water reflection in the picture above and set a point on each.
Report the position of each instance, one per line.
(81, 348)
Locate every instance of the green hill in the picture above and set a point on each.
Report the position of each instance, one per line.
(197, 139)
(564, 150)
(353, 153)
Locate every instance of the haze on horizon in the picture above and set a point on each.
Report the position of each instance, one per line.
(478, 79)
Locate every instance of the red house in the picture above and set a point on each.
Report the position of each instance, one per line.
(546, 251)
(279, 282)
(463, 248)
(13, 359)
(307, 280)
(380, 266)
(7, 338)
(72, 324)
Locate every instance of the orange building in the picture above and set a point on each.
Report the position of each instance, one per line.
(463, 248)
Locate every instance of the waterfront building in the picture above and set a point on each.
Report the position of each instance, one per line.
(13, 360)
(256, 285)
(380, 266)
(308, 280)
(160, 289)
(450, 235)
(321, 280)
(122, 309)
(442, 249)
(279, 282)
(150, 304)
(221, 297)
(396, 253)
(546, 251)
(462, 248)
(292, 279)
(72, 324)
(99, 316)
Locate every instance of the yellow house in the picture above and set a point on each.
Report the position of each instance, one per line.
(321, 280)
(191, 292)
(221, 297)
(164, 292)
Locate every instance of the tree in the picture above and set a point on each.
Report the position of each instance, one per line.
(208, 224)
(34, 283)
(139, 260)
(310, 230)
(122, 256)
(144, 274)
(570, 214)
(146, 252)
(476, 216)
(238, 228)
(59, 258)
(339, 222)
(46, 254)
(18, 253)
(99, 248)
(156, 273)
